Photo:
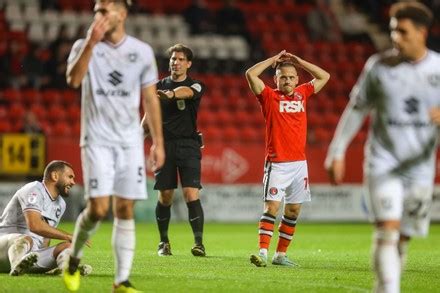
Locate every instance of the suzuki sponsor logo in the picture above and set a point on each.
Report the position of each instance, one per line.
(115, 77)
(112, 93)
(291, 106)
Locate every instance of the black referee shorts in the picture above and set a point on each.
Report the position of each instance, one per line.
(183, 159)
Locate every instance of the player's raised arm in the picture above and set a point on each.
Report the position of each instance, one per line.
(77, 68)
(253, 73)
(152, 122)
(321, 77)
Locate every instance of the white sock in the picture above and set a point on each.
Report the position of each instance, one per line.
(386, 261)
(403, 250)
(62, 258)
(84, 229)
(123, 242)
(280, 254)
(263, 251)
(17, 250)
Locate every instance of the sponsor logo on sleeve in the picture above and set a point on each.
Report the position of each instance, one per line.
(197, 87)
(32, 198)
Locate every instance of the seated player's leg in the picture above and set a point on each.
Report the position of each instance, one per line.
(20, 255)
(386, 197)
(12, 250)
(416, 216)
(166, 182)
(130, 185)
(51, 260)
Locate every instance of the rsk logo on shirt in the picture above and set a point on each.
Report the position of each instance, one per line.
(291, 106)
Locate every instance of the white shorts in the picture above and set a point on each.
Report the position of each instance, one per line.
(396, 198)
(114, 170)
(288, 180)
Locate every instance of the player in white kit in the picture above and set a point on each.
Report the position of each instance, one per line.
(400, 89)
(115, 70)
(30, 221)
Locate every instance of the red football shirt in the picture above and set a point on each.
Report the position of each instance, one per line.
(286, 122)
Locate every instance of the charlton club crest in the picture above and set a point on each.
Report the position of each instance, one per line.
(297, 96)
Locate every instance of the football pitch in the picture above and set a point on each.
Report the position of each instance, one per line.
(333, 258)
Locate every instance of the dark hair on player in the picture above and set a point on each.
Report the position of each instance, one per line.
(415, 11)
(55, 166)
(181, 48)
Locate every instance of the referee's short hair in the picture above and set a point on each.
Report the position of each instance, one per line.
(181, 48)
(417, 12)
(55, 166)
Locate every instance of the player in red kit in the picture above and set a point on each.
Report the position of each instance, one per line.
(285, 172)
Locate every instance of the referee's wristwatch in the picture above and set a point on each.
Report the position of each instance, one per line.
(173, 96)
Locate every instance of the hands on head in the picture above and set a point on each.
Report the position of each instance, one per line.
(285, 56)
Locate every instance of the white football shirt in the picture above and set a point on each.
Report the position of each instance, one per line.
(32, 196)
(402, 138)
(111, 91)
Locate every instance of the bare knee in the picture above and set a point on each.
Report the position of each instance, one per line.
(166, 197)
(292, 210)
(60, 247)
(271, 208)
(123, 208)
(190, 194)
(387, 232)
(97, 209)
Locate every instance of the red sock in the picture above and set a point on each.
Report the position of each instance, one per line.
(286, 230)
(265, 231)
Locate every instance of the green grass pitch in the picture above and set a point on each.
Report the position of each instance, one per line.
(333, 258)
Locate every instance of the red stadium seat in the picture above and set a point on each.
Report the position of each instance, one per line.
(223, 118)
(31, 96)
(39, 111)
(314, 119)
(76, 129)
(230, 134)
(12, 95)
(61, 129)
(323, 136)
(250, 134)
(5, 126)
(74, 113)
(56, 113)
(51, 96)
(70, 97)
(16, 112)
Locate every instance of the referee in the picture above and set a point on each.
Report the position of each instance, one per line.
(180, 97)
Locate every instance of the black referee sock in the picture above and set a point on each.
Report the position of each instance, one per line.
(163, 215)
(196, 219)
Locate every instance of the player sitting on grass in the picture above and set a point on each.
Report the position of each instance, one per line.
(29, 222)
